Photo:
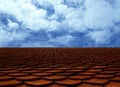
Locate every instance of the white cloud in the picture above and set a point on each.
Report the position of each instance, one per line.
(12, 25)
(61, 9)
(99, 16)
(4, 37)
(36, 44)
(9, 34)
(63, 40)
(100, 37)
(96, 13)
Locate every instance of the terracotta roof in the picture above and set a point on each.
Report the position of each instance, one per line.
(66, 68)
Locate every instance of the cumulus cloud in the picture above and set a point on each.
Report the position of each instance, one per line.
(100, 37)
(99, 20)
(62, 40)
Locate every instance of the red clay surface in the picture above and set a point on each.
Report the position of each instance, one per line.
(59, 67)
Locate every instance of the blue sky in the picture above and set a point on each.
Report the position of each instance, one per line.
(59, 23)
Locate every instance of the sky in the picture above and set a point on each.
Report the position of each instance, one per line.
(59, 23)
